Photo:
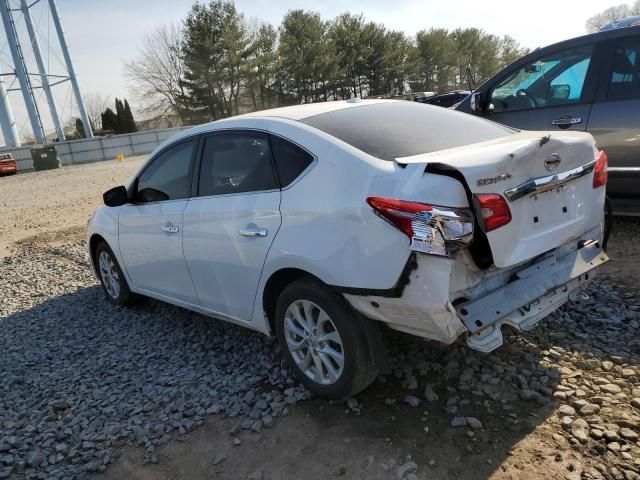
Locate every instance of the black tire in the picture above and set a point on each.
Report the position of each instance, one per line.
(358, 370)
(124, 295)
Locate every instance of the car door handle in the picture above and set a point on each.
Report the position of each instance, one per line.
(170, 228)
(253, 232)
(567, 121)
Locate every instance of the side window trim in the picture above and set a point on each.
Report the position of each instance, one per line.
(587, 94)
(275, 163)
(195, 193)
(192, 168)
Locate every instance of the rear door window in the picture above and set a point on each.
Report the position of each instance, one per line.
(624, 81)
(236, 163)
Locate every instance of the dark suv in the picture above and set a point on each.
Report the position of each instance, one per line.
(590, 83)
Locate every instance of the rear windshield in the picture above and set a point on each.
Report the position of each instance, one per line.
(402, 129)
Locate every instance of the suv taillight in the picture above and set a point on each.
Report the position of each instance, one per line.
(493, 210)
(429, 227)
(600, 175)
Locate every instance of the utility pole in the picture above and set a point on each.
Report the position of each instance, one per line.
(43, 71)
(72, 74)
(20, 71)
(7, 122)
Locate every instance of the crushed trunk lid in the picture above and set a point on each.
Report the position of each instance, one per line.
(542, 218)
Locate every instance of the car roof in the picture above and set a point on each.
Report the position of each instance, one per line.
(300, 112)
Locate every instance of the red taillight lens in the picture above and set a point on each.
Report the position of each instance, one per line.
(493, 210)
(600, 175)
(399, 212)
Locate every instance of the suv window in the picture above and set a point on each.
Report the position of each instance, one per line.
(624, 82)
(291, 160)
(235, 163)
(168, 176)
(553, 79)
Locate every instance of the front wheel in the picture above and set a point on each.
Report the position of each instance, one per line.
(111, 277)
(322, 338)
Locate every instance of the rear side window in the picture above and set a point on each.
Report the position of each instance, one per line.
(624, 82)
(236, 163)
(169, 173)
(403, 129)
(291, 160)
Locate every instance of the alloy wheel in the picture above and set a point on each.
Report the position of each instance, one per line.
(109, 275)
(314, 342)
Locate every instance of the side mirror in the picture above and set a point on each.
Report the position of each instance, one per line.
(115, 197)
(477, 102)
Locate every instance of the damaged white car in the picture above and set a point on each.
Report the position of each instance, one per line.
(319, 223)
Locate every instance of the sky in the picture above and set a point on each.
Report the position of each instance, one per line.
(103, 34)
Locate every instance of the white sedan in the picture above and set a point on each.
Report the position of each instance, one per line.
(320, 223)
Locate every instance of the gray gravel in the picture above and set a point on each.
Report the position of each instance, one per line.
(80, 377)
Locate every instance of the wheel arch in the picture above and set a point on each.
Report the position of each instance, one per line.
(94, 240)
(276, 283)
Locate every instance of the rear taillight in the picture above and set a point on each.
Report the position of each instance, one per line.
(600, 174)
(493, 210)
(398, 212)
(429, 227)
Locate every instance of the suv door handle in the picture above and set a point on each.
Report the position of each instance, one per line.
(170, 228)
(566, 121)
(253, 232)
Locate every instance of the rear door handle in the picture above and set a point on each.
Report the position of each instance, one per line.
(567, 121)
(170, 228)
(253, 232)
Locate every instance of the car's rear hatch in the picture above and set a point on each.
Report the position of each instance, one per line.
(546, 180)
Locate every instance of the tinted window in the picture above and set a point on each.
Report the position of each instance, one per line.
(625, 75)
(553, 79)
(169, 173)
(291, 160)
(234, 163)
(402, 129)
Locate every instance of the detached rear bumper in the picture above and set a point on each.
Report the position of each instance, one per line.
(519, 296)
(536, 291)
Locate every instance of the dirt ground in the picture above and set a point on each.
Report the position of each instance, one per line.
(56, 203)
(318, 440)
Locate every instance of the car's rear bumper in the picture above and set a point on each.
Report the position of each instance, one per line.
(484, 300)
(8, 167)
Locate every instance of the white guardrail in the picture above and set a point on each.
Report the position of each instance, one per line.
(97, 149)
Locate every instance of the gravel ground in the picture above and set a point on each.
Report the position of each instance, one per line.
(82, 381)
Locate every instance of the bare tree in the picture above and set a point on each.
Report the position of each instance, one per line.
(157, 74)
(609, 15)
(96, 103)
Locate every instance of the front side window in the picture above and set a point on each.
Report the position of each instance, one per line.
(236, 163)
(168, 176)
(553, 79)
(624, 82)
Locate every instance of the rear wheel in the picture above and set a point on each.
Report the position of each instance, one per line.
(111, 277)
(322, 339)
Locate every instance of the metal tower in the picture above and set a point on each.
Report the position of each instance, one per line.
(20, 70)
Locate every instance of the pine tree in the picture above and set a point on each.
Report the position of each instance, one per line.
(109, 120)
(80, 129)
(120, 126)
(130, 123)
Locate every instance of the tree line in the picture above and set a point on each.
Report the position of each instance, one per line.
(216, 63)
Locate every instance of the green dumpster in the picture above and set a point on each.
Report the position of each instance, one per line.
(45, 158)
